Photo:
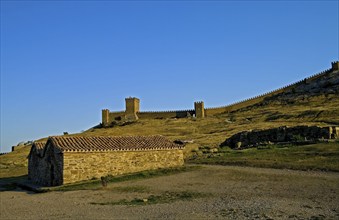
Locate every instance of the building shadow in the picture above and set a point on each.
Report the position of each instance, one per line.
(17, 184)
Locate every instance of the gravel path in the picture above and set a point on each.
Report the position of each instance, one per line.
(230, 192)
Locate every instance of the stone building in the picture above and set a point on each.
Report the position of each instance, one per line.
(70, 159)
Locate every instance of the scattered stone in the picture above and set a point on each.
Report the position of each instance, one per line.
(103, 182)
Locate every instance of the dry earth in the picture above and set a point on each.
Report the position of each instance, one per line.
(229, 192)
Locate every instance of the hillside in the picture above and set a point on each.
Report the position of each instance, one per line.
(314, 101)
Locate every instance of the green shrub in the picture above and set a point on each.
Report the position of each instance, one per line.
(298, 137)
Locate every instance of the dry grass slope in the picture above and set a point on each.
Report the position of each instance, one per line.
(291, 108)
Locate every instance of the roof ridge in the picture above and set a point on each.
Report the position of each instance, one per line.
(112, 143)
(62, 136)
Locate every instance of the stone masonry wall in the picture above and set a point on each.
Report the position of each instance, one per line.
(46, 169)
(166, 114)
(112, 116)
(37, 168)
(86, 165)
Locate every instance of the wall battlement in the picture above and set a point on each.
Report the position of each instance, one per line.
(167, 111)
(132, 111)
(335, 65)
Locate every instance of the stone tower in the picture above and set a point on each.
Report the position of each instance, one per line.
(132, 108)
(105, 117)
(199, 109)
(335, 65)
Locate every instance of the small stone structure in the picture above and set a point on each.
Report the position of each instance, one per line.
(255, 138)
(15, 148)
(70, 159)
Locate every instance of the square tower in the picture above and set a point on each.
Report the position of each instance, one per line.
(199, 109)
(132, 108)
(105, 117)
(132, 105)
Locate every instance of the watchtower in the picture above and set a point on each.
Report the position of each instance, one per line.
(335, 65)
(132, 108)
(105, 117)
(199, 109)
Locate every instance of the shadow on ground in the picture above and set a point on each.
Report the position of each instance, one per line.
(15, 184)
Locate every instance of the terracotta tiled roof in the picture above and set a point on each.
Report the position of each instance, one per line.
(112, 143)
(38, 147)
(39, 144)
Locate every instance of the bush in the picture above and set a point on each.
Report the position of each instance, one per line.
(298, 137)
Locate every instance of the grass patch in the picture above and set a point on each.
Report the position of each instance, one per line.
(96, 184)
(15, 163)
(166, 197)
(321, 156)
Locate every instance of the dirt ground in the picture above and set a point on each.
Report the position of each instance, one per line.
(228, 193)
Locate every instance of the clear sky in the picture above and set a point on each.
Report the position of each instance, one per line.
(64, 61)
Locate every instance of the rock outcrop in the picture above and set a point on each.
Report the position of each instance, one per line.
(247, 139)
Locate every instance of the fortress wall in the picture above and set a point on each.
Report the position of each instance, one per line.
(257, 99)
(218, 110)
(165, 114)
(153, 115)
(4, 153)
(214, 111)
(233, 107)
(114, 115)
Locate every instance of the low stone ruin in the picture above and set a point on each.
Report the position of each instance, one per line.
(247, 139)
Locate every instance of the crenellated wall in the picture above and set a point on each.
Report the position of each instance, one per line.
(108, 117)
(132, 104)
(257, 99)
(166, 114)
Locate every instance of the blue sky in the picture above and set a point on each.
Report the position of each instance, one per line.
(64, 61)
